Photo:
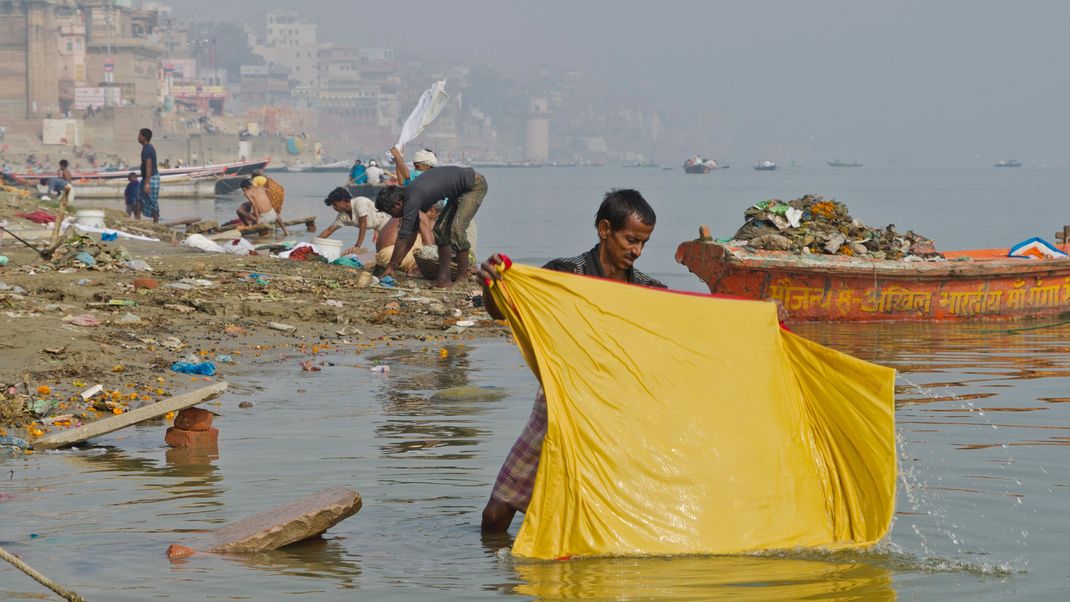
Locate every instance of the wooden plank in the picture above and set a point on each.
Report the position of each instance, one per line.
(113, 423)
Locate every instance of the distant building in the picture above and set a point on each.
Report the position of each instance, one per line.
(537, 132)
(266, 85)
(291, 42)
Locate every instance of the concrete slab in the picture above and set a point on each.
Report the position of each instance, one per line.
(301, 519)
(113, 423)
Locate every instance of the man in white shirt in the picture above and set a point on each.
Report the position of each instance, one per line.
(374, 172)
(359, 212)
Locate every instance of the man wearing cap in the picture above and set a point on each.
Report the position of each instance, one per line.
(374, 172)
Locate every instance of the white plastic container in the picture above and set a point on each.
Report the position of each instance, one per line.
(328, 247)
(93, 218)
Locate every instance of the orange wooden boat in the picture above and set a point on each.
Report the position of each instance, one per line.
(981, 284)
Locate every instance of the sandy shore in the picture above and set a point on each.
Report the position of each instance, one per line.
(241, 313)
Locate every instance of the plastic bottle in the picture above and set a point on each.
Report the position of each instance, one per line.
(381, 369)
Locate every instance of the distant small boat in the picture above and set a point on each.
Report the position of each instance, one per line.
(640, 164)
(667, 168)
(838, 163)
(1008, 163)
(765, 166)
(698, 165)
(336, 167)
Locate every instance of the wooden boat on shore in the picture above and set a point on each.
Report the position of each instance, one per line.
(171, 187)
(980, 284)
(227, 170)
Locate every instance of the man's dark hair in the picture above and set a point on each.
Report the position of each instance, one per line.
(388, 196)
(246, 184)
(357, 162)
(336, 195)
(146, 132)
(619, 204)
(63, 163)
(131, 175)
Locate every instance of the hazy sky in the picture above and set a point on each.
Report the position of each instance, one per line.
(912, 81)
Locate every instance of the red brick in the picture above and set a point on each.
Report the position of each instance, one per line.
(194, 419)
(177, 437)
(179, 551)
(145, 282)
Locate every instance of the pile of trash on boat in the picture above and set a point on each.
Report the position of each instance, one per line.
(811, 224)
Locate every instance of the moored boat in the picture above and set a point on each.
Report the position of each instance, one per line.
(838, 163)
(765, 166)
(238, 168)
(971, 285)
(174, 187)
(1009, 163)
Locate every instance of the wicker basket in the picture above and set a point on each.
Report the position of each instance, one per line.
(429, 267)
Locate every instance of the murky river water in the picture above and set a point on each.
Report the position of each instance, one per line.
(982, 417)
(982, 423)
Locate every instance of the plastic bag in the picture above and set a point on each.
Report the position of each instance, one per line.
(204, 368)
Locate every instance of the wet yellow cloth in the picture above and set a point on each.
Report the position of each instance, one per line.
(687, 424)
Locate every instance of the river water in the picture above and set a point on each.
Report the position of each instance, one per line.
(981, 410)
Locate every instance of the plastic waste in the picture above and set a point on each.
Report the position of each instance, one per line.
(91, 391)
(139, 265)
(83, 320)
(3, 259)
(381, 369)
(349, 261)
(199, 241)
(259, 279)
(239, 246)
(224, 359)
(203, 368)
(6, 441)
(106, 236)
(388, 282)
(86, 258)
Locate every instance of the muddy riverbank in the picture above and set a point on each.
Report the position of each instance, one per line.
(69, 326)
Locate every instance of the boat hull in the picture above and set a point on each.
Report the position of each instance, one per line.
(189, 189)
(366, 190)
(697, 169)
(822, 288)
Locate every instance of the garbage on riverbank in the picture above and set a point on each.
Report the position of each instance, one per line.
(811, 224)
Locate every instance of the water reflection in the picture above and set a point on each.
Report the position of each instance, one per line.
(703, 578)
(185, 474)
(316, 557)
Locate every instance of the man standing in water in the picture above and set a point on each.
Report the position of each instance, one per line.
(150, 177)
(624, 223)
(464, 187)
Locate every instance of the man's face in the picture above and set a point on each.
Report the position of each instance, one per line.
(341, 206)
(421, 166)
(141, 138)
(622, 247)
(396, 210)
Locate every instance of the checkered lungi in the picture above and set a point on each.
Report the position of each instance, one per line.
(516, 479)
(150, 203)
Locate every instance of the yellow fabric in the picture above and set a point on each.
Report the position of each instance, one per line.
(688, 424)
